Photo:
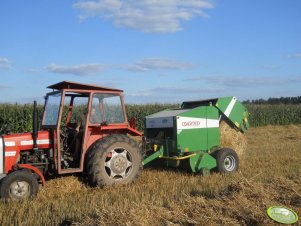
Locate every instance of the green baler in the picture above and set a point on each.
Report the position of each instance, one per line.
(192, 134)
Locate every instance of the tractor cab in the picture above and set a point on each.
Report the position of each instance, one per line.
(76, 115)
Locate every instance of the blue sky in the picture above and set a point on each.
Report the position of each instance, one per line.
(156, 51)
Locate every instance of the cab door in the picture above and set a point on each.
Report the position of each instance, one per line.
(71, 131)
(50, 122)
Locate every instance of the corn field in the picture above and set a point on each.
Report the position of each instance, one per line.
(281, 114)
(18, 118)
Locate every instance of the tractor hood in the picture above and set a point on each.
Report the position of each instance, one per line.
(12, 144)
(24, 141)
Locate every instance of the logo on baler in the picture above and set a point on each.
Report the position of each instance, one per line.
(191, 123)
(196, 123)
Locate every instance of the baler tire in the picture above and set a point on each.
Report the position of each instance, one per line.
(227, 160)
(19, 185)
(115, 159)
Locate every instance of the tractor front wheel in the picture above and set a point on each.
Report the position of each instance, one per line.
(227, 160)
(19, 185)
(115, 159)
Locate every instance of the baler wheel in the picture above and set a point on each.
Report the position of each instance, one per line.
(19, 185)
(227, 160)
(115, 159)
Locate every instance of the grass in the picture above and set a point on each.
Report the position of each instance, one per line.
(270, 174)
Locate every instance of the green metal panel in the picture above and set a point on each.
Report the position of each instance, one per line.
(213, 137)
(192, 140)
(240, 115)
(198, 129)
(213, 130)
(201, 161)
(195, 138)
(234, 111)
(198, 112)
(223, 102)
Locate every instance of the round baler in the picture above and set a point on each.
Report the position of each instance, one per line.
(193, 134)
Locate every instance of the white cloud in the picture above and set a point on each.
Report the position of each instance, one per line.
(159, 16)
(297, 55)
(79, 70)
(180, 90)
(4, 63)
(4, 87)
(140, 66)
(271, 66)
(33, 70)
(157, 64)
(243, 81)
(172, 91)
(171, 94)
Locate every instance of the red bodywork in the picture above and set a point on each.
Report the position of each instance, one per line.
(15, 143)
(50, 138)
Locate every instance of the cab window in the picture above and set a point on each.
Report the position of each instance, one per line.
(106, 108)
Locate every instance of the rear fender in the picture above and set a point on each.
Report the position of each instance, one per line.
(134, 132)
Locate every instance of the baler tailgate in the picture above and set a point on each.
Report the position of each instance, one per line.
(234, 111)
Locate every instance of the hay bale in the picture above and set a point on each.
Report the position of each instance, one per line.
(232, 138)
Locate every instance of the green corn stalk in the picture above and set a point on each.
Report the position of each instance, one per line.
(17, 118)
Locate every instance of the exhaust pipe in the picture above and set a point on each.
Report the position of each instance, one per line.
(35, 126)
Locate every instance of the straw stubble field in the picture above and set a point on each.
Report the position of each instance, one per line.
(270, 175)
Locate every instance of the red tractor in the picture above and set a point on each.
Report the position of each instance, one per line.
(84, 129)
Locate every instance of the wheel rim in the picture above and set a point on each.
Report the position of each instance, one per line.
(229, 163)
(19, 189)
(118, 164)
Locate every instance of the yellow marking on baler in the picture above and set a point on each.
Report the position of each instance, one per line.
(178, 158)
(155, 147)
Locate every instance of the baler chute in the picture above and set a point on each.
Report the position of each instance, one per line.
(192, 133)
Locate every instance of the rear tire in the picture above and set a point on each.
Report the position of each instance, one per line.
(115, 159)
(227, 160)
(19, 185)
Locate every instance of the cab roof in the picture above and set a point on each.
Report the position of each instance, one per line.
(73, 85)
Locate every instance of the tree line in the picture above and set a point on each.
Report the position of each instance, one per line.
(274, 101)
